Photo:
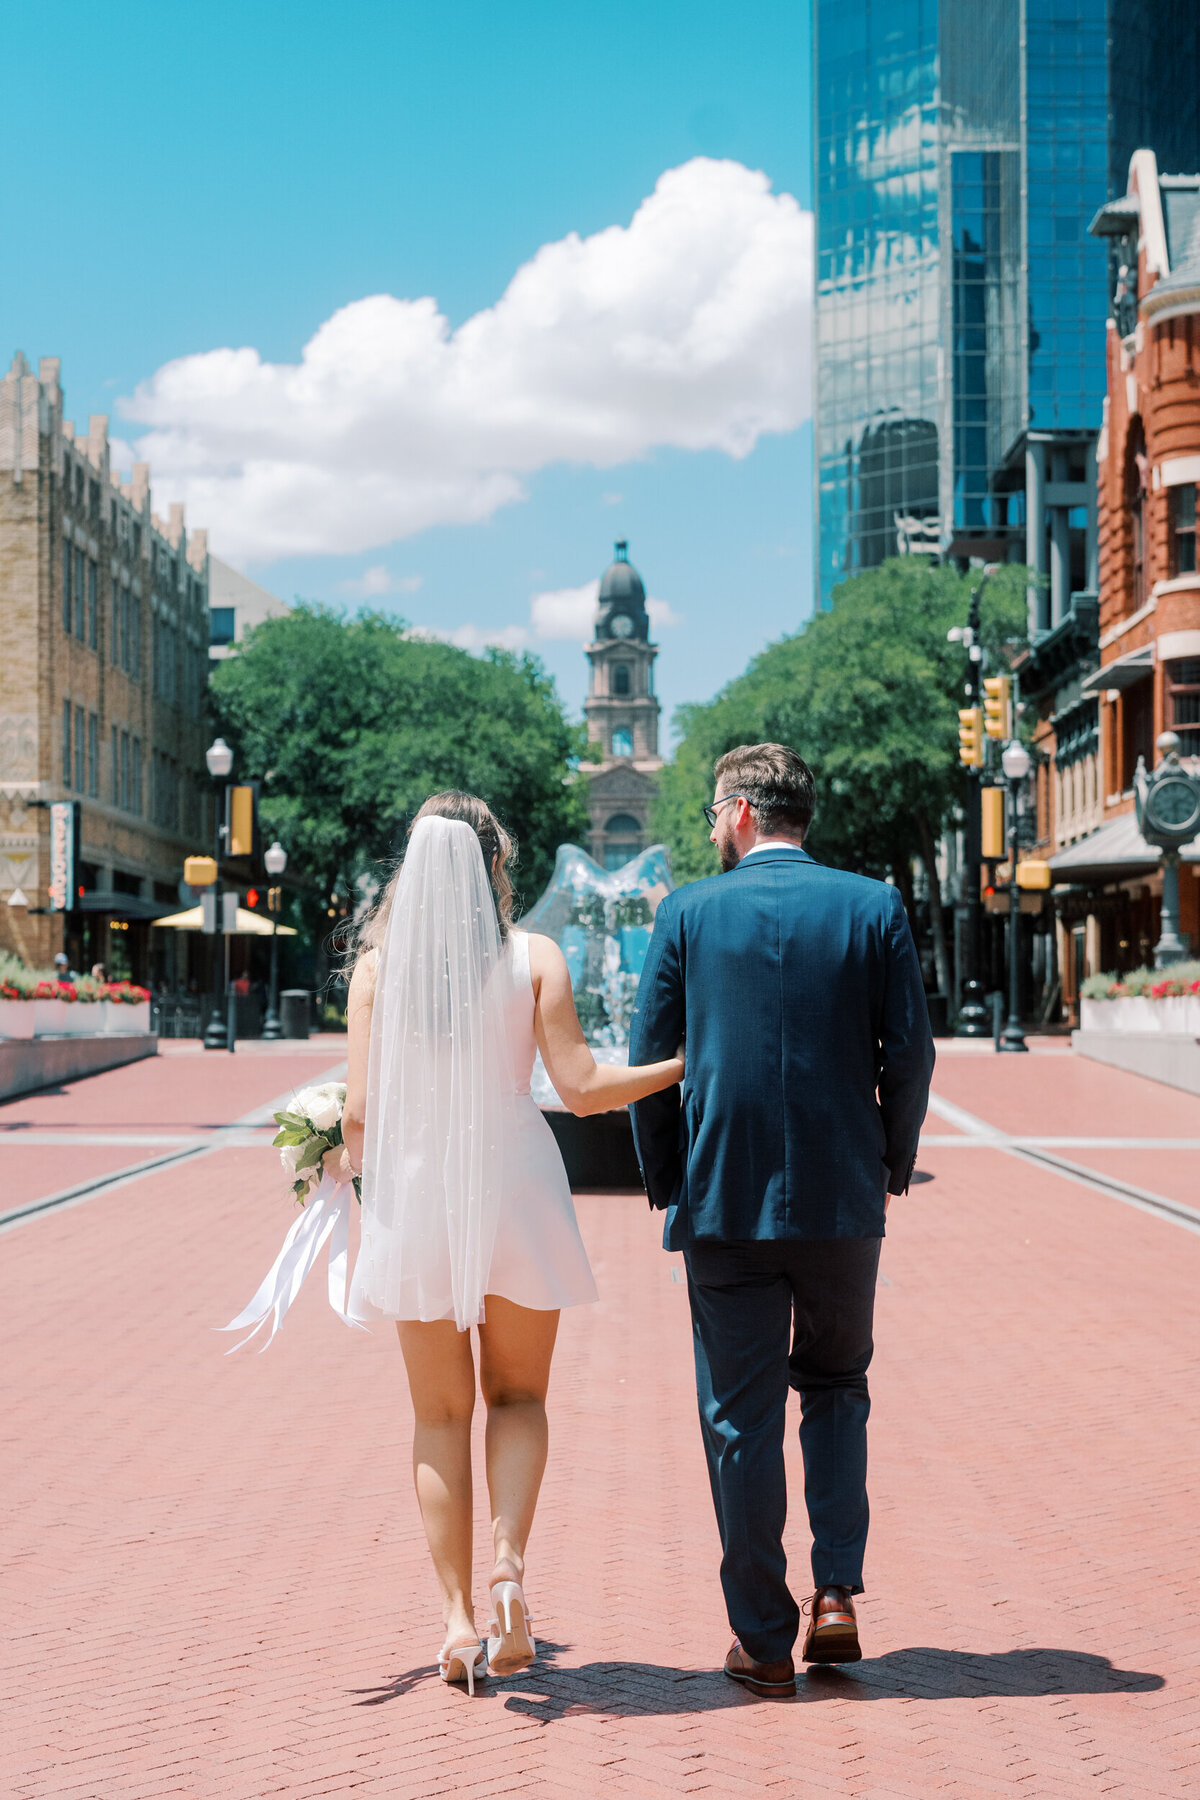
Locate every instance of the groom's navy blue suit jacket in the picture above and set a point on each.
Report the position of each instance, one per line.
(809, 1053)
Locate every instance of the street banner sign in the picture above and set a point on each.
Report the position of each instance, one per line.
(64, 854)
(208, 911)
(229, 910)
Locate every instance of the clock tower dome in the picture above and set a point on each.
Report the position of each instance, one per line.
(622, 716)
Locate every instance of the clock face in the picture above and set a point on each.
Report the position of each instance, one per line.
(621, 625)
(1173, 805)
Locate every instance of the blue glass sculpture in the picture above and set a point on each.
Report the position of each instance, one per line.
(601, 920)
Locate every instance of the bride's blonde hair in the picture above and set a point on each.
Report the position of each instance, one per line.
(499, 851)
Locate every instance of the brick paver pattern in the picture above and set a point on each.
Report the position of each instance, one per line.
(216, 1585)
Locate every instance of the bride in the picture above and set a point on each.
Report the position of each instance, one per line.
(467, 1217)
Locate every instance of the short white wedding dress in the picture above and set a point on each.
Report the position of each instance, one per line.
(464, 1190)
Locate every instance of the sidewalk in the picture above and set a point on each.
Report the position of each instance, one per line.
(216, 1584)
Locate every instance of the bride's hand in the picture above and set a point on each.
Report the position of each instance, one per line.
(338, 1166)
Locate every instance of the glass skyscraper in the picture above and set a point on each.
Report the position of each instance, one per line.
(962, 146)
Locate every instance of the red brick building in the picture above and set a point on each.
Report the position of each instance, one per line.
(1108, 882)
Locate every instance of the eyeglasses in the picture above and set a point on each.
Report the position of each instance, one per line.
(710, 812)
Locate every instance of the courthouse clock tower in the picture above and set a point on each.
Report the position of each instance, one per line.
(622, 716)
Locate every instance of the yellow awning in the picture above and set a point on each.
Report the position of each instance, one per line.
(249, 924)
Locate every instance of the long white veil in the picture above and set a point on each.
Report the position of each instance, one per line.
(440, 1090)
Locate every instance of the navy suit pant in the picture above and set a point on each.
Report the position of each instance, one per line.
(767, 1315)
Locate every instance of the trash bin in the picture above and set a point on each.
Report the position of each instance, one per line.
(295, 1012)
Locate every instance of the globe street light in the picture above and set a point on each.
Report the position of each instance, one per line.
(1016, 763)
(275, 862)
(219, 758)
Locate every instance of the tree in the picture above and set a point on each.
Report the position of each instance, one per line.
(869, 694)
(351, 724)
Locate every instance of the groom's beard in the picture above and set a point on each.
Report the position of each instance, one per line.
(728, 852)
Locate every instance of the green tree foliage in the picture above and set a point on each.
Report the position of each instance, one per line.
(868, 693)
(351, 724)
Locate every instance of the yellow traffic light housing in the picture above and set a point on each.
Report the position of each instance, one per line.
(199, 871)
(970, 736)
(1033, 874)
(997, 706)
(992, 846)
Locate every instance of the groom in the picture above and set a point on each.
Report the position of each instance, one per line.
(809, 1055)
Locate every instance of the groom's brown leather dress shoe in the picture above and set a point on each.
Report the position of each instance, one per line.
(773, 1680)
(832, 1635)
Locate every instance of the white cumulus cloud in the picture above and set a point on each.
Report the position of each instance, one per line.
(379, 580)
(689, 327)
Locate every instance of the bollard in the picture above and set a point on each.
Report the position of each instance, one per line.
(231, 1020)
(997, 1001)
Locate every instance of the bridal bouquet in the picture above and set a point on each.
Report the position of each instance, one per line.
(311, 1126)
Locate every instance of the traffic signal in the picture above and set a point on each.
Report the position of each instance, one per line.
(992, 824)
(251, 897)
(970, 736)
(997, 706)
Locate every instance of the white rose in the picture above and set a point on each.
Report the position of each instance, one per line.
(289, 1156)
(322, 1105)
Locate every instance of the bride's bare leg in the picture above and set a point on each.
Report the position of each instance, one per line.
(441, 1379)
(515, 1348)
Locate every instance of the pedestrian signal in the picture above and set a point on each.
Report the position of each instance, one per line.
(997, 706)
(970, 736)
(251, 896)
(991, 824)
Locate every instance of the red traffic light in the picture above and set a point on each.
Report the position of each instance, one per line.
(252, 897)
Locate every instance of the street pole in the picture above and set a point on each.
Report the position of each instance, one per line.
(275, 861)
(1016, 764)
(219, 758)
(972, 1013)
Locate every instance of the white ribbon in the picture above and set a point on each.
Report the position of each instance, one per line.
(326, 1218)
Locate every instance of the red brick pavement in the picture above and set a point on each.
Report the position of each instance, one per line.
(216, 1584)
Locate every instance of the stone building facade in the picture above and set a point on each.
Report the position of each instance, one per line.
(1135, 671)
(622, 714)
(104, 637)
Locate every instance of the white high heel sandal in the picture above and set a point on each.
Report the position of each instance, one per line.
(513, 1648)
(462, 1663)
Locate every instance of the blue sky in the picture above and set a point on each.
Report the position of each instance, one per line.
(190, 177)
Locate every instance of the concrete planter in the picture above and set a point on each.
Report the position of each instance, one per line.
(80, 1018)
(121, 1019)
(17, 1018)
(1177, 1013)
(50, 1017)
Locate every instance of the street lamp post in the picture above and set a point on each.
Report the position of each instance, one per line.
(275, 860)
(972, 1013)
(1016, 763)
(219, 758)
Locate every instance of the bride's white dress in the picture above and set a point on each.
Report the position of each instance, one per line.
(538, 1258)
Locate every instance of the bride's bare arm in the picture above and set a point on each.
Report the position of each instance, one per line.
(358, 1026)
(583, 1084)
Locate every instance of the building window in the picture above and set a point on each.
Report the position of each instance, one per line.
(222, 626)
(1135, 507)
(1183, 702)
(80, 750)
(115, 772)
(621, 679)
(1183, 529)
(80, 596)
(114, 641)
(93, 787)
(66, 588)
(125, 795)
(1137, 729)
(93, 623)
(622, 840)
(66, 744)
(135, 769)
(622, 741)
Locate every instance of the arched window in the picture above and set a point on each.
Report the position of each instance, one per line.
(621, 679)
(622, 741)
(622, 840)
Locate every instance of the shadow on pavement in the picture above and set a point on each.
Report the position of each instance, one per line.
(547, 1692)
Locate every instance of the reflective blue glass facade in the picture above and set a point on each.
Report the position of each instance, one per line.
(960, 301)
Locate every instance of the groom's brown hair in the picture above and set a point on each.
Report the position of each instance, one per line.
(777, 783)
